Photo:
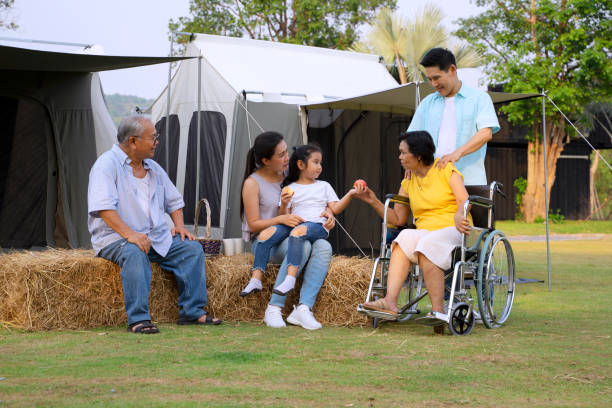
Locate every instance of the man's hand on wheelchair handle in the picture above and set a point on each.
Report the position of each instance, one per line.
(461, 223)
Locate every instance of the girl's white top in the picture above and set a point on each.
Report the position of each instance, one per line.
(310, 200)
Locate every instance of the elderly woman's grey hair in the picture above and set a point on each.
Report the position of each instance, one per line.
(131, 126)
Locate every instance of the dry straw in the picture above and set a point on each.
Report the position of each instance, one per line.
(71, 289)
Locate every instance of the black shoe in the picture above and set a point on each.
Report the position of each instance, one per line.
(254, 290)
(278, 292)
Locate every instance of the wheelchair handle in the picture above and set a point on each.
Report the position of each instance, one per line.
(496, 187)
(395, 198)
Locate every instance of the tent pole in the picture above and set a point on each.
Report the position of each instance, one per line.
(167, 141)
(546, 186)
(197, 189)
(417, 93)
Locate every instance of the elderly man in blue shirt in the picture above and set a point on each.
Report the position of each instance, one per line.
(128, 197)
(460, 119)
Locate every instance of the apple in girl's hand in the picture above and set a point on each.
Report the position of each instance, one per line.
(288, 190)
(360, 183)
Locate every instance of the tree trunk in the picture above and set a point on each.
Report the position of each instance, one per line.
(594, 198)
(401, 70)
(533, 204)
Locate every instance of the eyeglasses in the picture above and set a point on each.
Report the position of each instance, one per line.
(154, 137)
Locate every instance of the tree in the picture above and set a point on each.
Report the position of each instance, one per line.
(389, 39)
(6, 22)
(403, 42)
(599, 115)
(561, 46)
(330, 24)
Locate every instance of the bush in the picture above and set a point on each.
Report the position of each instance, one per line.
(554, 217)
(521, 185)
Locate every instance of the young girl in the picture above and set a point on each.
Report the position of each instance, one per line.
(305, 197)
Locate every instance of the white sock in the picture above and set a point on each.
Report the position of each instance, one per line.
(287, 284)
(254, 283)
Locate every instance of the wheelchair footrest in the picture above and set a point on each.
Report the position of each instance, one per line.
(376, 314)
(440, 318)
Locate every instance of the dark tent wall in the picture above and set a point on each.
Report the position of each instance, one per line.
(49, 131)
(26, 133)
(213, 133)
(173, 148)
(360, 145)
(63, 102)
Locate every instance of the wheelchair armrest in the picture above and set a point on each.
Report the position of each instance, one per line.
(480, 201)
(397, 199)
(401, 227)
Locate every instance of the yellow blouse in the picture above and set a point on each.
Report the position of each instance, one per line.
(432, 201)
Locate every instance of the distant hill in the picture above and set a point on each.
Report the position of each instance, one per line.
(120, 106)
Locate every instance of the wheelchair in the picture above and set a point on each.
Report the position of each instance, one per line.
(484, 263)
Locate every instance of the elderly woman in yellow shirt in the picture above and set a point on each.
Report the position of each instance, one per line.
(436, 195)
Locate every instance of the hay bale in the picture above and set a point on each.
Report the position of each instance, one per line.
(345, 286)
(71, 289)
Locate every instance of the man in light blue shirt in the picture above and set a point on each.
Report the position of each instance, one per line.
(460, 119)
(128, 197)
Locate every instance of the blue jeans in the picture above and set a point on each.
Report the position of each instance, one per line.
(264, 247)
(320, 253)
(184, 259)
(314, 231)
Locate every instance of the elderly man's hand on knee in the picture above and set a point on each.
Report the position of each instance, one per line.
(141, 241)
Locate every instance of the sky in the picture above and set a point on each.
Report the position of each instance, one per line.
(140, 27)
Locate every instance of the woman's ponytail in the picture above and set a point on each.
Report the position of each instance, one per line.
(263, 148)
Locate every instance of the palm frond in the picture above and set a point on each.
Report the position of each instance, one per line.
(424, 32)
(466, 56)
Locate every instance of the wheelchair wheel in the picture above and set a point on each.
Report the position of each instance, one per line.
(495, 285)
(460, 323)
(375, 322)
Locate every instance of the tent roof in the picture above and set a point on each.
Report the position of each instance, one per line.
(25, 59)
(400, 99)
(280, 69)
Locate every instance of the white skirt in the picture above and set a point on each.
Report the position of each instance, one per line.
(437, 246)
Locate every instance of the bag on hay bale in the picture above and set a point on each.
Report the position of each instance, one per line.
(211, 247)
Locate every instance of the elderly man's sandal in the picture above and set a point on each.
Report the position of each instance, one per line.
(209, 320)
(143, 327)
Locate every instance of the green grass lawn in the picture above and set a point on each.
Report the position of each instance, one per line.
(566, 227)
(555, 350)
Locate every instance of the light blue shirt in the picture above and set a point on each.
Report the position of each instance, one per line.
(474, 111)
(111, 187)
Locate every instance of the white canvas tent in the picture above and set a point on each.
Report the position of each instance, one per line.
(245, 86)
(54, 124)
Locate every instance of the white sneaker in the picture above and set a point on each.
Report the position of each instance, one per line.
(273, 317)
(302, 316)
(477, 317)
